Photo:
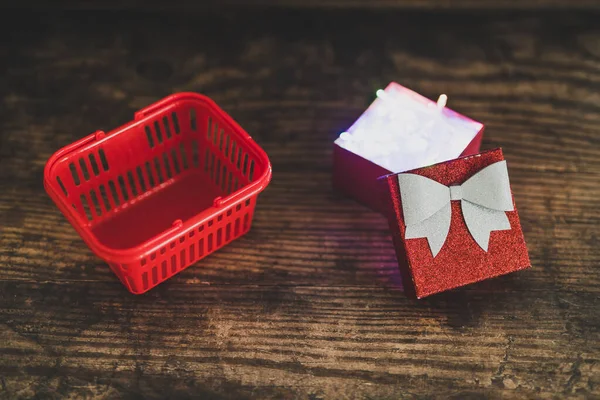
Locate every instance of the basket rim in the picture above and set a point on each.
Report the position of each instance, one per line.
(153, 244)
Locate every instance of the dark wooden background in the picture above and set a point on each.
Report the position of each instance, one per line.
(309, 304)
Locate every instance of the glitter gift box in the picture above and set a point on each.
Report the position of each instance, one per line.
(400, 130)
(453, 219)
(455, 223)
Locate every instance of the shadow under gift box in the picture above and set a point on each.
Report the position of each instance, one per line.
(158, 194)
(358, 163)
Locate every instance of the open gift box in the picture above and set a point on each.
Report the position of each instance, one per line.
(401, 130)
(450, 208)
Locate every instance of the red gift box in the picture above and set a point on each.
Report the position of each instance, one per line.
(455, 223)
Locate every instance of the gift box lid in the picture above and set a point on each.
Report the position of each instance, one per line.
(454, 223)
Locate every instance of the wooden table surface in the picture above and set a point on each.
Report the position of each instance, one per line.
(309, 304)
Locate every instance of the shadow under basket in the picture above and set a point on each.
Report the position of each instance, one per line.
(161, 192)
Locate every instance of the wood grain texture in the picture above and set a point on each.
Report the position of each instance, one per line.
(308, 305)
(199, 5)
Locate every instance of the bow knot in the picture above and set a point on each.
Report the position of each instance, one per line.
(456, 192)
(484, 199)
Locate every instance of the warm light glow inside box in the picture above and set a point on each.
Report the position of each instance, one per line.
(401, 130)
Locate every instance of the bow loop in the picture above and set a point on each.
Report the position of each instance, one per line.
(421, 197)
(490, 188)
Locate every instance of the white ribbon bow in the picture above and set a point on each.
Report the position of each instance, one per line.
(484, 198)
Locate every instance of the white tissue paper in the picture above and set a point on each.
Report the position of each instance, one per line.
(402, 130)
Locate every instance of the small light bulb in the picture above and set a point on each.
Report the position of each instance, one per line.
(442, 100)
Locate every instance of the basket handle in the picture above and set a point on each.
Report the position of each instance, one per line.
(233, 198)
(246, 192)
(164, 103)
(169, 100)
(152, 107)
(177, 224)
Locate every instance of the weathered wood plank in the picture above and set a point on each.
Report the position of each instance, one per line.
(309, 303)
(313, 340)
(198, 5)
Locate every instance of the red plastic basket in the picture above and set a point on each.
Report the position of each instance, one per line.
(158, 194)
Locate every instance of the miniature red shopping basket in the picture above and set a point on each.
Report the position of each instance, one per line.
(156, 195)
